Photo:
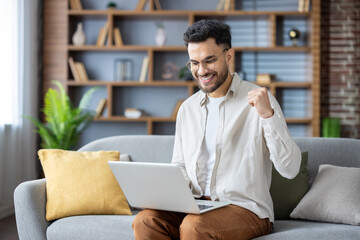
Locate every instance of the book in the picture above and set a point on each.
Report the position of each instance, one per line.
(101, 31)
(220, 5)
(176, 109)
(82, 71)
(117, 37)
(74, 70)
(141, 4)
(157, 4)
(100, 107)
(264, 78)
(301, 4)
(232, 5)
(78, 5)
(73, 5)
(306, 5)
(227, 5)
(102, 35)
(144, 69)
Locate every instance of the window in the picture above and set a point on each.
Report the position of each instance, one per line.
(9, 69)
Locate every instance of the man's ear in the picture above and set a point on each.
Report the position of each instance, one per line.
(229, 55)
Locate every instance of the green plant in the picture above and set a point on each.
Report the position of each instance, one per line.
(160, 24)
(185, 74)
(64, 123)
(111, 5)
(331, 127)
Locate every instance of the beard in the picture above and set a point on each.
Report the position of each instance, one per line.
(213, 86)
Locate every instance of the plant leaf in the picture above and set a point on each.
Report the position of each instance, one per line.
(64, 122)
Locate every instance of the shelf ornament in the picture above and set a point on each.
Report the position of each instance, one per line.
(294, 35)
(79, 37)
(160, 37)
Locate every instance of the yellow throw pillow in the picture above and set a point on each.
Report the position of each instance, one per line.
(80, 183)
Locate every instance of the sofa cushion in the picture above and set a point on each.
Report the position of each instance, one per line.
(79, 183)
(334, 196)
(287, 193)
(91, 227)
(305, 230)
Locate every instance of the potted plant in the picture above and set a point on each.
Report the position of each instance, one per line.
(111, 5)
(185, 74)
(160, 37)
(64, 123)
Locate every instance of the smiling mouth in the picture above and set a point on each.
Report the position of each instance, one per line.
(207, 78)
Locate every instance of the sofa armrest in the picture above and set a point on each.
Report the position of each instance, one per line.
(30, 205)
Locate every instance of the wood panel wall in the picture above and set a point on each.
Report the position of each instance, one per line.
(55, 42)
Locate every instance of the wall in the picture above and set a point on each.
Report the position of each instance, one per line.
(340, 75)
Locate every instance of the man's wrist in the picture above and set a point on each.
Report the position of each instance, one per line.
(269, 114)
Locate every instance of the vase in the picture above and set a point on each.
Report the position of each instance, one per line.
(79, 37)
(160, 37)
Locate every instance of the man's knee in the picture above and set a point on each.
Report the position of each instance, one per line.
(144, 217)
(193, 226)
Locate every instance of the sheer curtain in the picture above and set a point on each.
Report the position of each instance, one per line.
(19, 75)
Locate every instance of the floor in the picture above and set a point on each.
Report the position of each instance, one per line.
(8, 229)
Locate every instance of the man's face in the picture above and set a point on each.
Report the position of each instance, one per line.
(204, 53)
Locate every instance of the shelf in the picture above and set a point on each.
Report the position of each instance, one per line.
(275, 49)
(133, 84)
(141, 119)
(181, 48)
(178, 83)
(125, 48)
(287, 84)
(183, 13)
(298, 120)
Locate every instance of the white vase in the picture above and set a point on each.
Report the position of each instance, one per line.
(79, 37)
(160, 37)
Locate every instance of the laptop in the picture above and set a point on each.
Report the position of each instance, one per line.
(159, 186)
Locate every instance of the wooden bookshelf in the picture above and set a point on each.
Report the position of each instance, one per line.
(62, 49)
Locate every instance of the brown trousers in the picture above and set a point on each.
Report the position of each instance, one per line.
(229, 222)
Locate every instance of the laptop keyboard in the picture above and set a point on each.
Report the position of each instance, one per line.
(202, 206)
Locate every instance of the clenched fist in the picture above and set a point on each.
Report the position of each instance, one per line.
(259, 99)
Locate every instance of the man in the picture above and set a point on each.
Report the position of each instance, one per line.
(227, 137)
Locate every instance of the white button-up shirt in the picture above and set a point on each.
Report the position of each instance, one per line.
(246, 145)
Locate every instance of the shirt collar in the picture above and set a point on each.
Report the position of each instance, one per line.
(232, 92)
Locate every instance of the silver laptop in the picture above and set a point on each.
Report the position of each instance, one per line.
(159, 186)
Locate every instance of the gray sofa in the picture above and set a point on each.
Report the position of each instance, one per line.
(30, 197)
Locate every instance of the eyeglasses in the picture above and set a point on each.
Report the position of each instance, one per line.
(208, 63)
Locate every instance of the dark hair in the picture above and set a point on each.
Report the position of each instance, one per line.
(202, 30)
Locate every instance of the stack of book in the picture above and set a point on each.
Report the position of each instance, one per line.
(103, 33)
(133, 113)
(225, 5)
(78, 71)
(264, 78)
(303, 5)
